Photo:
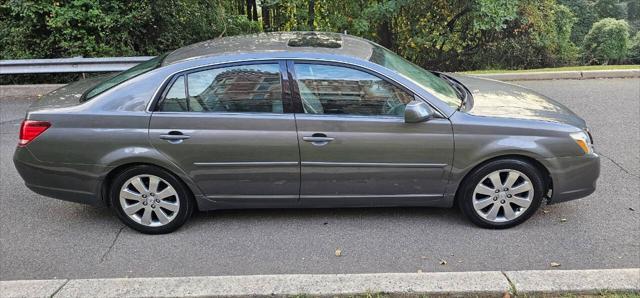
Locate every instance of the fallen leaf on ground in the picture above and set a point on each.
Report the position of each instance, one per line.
(554, 264)
(443, 262)
(338, 252)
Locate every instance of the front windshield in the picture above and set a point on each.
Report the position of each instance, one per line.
(123, 76)
(425, 79)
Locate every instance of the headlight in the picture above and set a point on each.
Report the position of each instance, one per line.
(583, 140)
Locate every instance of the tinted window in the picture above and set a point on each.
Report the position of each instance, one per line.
(124, 76)
(247, 88)
(176, 98)
(327, 89)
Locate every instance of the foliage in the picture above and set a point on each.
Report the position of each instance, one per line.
(607, 41)
(609, 9)
(46, 29)
(585, 17)
(634, 50)
(633, 10)
(439, 34)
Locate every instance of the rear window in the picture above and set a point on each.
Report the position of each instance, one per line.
(123, 76)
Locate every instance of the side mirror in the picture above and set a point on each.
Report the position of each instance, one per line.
(417, 111)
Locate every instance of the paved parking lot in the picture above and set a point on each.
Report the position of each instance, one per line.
(42, 238)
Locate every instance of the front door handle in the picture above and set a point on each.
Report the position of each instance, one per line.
(318, 139)
(175, 137)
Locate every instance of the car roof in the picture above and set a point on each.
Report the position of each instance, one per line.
(277, 42)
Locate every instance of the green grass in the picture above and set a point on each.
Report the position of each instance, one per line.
(566, 68)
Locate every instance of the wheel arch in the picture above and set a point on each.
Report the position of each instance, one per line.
(114, 172)
(546, 175)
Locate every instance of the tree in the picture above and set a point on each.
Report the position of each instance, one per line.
(609, 9)
(585, 15)
(634, 50)
(633, 10)
(95, 28)
(607, 41)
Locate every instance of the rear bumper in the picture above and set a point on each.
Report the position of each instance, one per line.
(573, 177)
(68, 182)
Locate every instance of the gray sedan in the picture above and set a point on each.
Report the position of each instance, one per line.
(301, 119)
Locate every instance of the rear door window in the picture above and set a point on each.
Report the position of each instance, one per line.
(245, 88)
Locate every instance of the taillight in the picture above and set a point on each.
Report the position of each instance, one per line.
(30, 129)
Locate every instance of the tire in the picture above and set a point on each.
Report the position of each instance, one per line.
(149, 212)
(478, 197)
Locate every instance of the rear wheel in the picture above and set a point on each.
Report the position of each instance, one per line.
(150, 200)
(502, 193)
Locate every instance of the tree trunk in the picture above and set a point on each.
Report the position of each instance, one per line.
(312, 15)
(249, 9)
(385, 34)
(266, 20)
(254, 10)
(240, 6)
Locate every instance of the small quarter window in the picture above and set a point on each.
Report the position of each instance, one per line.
(176, 98)
(328, 89)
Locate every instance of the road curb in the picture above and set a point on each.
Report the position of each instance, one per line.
(562, 75)
(487, 283)
(575, 281)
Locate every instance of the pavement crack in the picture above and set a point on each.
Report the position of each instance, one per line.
(115, 239)
(60, 288)
(512, 286)
(618, 165)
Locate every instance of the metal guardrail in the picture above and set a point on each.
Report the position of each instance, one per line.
(67, 65)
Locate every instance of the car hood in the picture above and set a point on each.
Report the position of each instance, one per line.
(68, 95)
(498, 99)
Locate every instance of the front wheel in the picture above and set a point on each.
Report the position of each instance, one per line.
(150, 200)
(501, 194)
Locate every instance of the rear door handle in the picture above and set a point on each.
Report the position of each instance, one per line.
(318, 139)
(175, 137)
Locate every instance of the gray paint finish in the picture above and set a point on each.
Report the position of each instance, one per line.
(243, 160)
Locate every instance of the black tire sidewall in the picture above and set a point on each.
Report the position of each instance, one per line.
(465, 196)
(184, 197)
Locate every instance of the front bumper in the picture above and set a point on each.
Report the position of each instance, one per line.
(68, 182)
(573, 177)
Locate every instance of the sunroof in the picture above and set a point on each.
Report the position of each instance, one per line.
(318, 40)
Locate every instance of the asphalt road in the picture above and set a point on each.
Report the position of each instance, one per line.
(43, 238)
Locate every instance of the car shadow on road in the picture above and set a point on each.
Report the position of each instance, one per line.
(325, 216)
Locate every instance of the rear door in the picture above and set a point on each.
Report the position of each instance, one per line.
(229, 129)
(356, 148)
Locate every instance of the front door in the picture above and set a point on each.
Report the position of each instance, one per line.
(356, 148)
(227, 128)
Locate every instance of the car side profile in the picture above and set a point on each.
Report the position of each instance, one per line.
(301, 120)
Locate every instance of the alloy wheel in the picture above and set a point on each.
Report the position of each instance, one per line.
(503, 195)
(149, 200)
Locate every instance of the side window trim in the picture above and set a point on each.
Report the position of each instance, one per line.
(284, 84)
(295, 89)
